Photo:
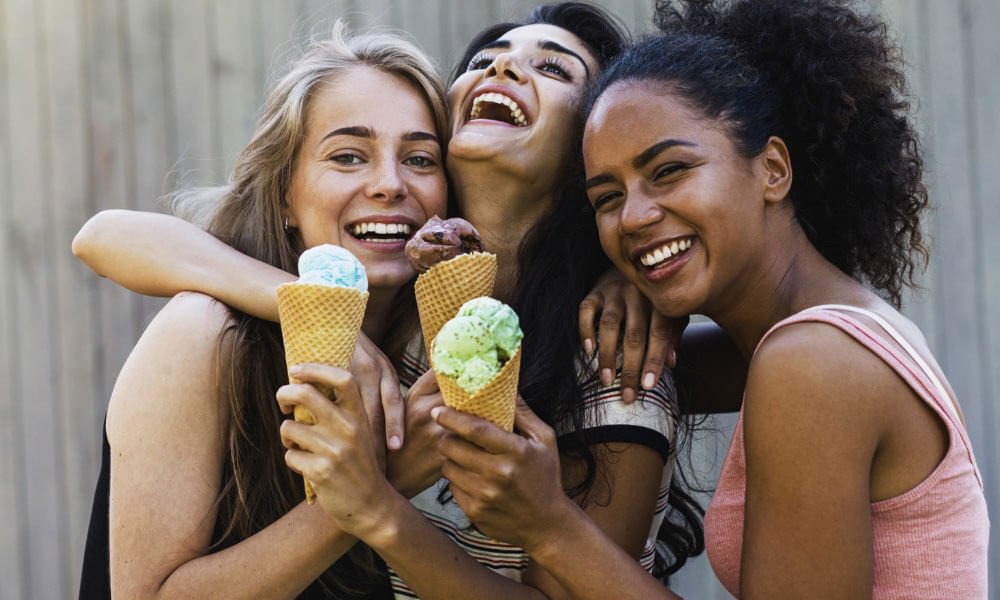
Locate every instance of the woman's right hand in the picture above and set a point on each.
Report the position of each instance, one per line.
(378, 385)
(508, 484)
(650, 341)
(417, 465)
(337, 454)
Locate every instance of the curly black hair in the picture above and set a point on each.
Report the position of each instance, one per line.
(827, 80)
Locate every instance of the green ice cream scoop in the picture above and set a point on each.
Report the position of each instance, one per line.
(461, 340)
(500, 319)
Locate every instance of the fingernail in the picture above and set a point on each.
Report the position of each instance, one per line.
(628, 395)
(673, 358)
(607, 377)
(295, 369)
(435, 412)
(394, 443)
(588, 346)
(648, 381)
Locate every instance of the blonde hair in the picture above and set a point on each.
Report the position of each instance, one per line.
(257, 487)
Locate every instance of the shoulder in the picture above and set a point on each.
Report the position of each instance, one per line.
(809, 382)
(173, 368)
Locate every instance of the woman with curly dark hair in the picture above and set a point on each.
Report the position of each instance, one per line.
(850, 467)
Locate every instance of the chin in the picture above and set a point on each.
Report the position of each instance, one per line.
(389, 276)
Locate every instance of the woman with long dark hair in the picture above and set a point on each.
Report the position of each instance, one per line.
(850, 467)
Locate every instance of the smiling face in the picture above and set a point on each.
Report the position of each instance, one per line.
(679, 211)
(368, 174)
(516, 101)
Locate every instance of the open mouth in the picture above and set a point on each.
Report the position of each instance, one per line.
(388, 233)
(494, 106)
(668, 251)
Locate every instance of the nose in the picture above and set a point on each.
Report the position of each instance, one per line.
(639, 211)
(504, 67)
(388, 183)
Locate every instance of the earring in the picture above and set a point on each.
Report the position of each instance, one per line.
(285, 224)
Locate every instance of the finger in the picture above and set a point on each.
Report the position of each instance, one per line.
(425, 385)
(660, 346)
(305, 395)
(474, 429)
(307, 464)
(607, 351)
(637, 314)
(528, 424)
(393, 408)
(300, 436)
(367, 375)
(590, 307)
(343, 384)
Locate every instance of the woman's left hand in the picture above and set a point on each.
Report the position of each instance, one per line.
(337, 454)
(508, 484)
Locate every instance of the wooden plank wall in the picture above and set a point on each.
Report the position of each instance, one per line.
(106, 103)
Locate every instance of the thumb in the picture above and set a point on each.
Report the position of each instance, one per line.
(527, 423)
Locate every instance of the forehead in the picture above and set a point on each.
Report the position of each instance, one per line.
(660, 109)
(530, 35)
(391, 103)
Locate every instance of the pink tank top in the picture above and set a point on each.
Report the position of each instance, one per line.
(929, 542)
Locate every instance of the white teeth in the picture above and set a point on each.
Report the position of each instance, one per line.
(399, 229)
(495, 98)
(664, 252)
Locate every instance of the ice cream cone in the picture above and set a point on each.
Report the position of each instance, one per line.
(494, 402)
(446, 286)
(319, 324)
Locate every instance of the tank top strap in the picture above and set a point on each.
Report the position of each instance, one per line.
(943, 396)
(916, 369)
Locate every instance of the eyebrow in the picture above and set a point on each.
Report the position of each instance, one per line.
(642, 160)
(542, 45)
(369, 133)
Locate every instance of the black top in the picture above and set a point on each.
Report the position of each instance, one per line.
(95, 580)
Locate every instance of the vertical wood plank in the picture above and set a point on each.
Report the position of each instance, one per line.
(983, 46)
(957, 284)
(80, 411)
(233, 73)
(13, 524)
(422, 22)
(280, 33)
(191, 89)
(33, 328)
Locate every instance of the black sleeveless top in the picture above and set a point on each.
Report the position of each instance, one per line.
(95, 580)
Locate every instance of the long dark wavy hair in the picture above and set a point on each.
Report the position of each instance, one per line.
(257, 488)
(828, 81)
(559, 262)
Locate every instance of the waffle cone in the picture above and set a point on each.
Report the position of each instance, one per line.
(446, 286)
(494, 402)
(319, 324)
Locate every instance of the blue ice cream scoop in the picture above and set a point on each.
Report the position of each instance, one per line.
(331, 265)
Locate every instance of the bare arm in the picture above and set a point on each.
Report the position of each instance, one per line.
(165, 431)
(160, 255)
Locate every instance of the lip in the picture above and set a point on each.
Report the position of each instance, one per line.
(498, 89)
(396, 247)
(668, 268)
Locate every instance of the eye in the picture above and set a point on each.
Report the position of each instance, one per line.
(604, 200)
(346, 158)
(479, 61)
(420, 161)
(555, 66)
(668, 170)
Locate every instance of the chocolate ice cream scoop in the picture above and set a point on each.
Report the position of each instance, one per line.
(440, 240)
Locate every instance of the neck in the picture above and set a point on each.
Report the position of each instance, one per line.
(504, 208)
(790, 279)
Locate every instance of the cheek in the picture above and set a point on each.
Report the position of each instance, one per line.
(607, 231)
(432, 195)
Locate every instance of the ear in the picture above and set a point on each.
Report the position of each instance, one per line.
(778, 170)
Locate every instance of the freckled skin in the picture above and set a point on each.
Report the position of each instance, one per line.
(439, 240)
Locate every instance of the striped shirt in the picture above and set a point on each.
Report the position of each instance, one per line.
(649, 421)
